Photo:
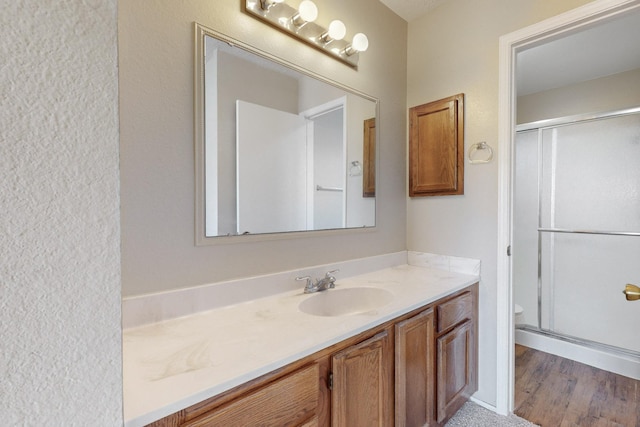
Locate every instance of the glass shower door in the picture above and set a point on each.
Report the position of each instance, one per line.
(589, 229)
(577, 229)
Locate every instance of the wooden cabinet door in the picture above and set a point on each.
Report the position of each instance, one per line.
(436, 148)
(456, 361)
(293, 400)
(369, 159)
(362, 384)
(415, 371)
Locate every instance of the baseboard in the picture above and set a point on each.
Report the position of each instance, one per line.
(619, 364)
(485, 405)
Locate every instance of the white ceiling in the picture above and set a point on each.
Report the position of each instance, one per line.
(606, 49)
(603, 50)
(411, 9)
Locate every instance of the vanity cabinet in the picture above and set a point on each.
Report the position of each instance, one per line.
(435, 361)
(290, 401)
(362, 383)
(456, 354)
(415, 370)
(282, 398)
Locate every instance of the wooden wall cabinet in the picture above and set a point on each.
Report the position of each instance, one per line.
(416, 370)
(369, 159)
(436, 148)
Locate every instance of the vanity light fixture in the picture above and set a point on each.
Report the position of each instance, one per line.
(299, 22)
(267, 4)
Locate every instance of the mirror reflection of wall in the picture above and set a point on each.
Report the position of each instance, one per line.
(262, 176)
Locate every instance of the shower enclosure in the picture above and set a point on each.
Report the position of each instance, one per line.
(576, 237)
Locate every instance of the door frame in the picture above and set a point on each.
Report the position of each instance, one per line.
(310, 114)
(510, 44)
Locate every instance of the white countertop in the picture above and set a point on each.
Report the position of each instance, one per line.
(174, 364)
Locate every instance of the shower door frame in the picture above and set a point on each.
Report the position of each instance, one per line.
(509, 45)
(540, 126)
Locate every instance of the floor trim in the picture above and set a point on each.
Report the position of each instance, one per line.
(616, 363)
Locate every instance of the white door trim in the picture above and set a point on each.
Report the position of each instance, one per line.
(510, 44)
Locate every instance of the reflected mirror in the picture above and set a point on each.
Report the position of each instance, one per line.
(277, 148)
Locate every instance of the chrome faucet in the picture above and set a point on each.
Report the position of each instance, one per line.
(327, 282)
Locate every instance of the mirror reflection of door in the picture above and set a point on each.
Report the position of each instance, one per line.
(271, 170)
(290, 169)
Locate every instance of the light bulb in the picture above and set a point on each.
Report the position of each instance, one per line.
(360, 42)
(308, 11)
(337, 30)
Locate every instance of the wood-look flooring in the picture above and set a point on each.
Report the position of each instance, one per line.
(555, 392)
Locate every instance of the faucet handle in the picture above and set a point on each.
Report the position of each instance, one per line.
(330, 273)
(309, 283)
(331, 278)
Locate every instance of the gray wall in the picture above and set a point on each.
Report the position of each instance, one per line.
(454, 49)
(608, 93)
(157, 155)
(60, 361)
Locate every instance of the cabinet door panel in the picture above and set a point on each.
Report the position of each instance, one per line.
(436, 147)
(290, 401)
(369, 159)
(415, 371)
(456, 369)
(362, 376)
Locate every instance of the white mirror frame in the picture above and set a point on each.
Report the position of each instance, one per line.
(201, 239)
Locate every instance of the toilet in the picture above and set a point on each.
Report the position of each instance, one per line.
(518, 314)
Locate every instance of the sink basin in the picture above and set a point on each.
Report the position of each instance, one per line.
(342, 302)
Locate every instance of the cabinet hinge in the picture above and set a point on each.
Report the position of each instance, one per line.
(330, 381)
(509, 250)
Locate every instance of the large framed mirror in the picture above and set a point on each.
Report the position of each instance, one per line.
(279, 150)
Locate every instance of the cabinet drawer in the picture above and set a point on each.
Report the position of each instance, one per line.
(455, 311)
(289, 401)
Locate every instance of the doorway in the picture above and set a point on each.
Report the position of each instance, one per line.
(327, 185)
(556, 28)
(576, 237)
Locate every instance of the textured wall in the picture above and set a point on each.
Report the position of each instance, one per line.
(454, 49)
(156, 124)
(60, 359)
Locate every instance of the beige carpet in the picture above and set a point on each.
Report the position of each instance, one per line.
(472, 415)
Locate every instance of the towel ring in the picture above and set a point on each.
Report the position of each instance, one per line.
(480, 146)
(355, 169)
